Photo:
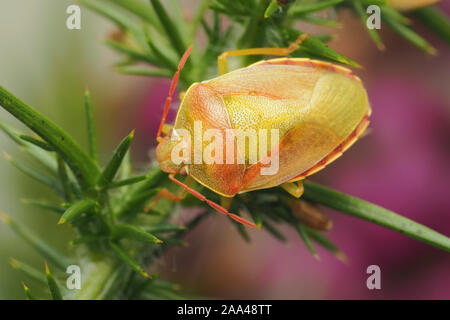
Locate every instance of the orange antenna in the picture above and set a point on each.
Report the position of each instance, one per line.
(172, 89)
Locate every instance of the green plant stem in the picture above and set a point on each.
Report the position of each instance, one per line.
(373, 213)
(100, 270)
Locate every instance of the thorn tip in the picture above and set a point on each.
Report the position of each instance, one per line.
(5, 218)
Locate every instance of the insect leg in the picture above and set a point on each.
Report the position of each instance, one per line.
(166, 129)
(226, 202)
(169, 195)
(211, 203)
(172, 90)
(223, 63)
(166, 194)
(294, 188)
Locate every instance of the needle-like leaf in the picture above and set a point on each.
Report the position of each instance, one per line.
(436, 19)
(28, 270)
(52, 285)
(320, 21)
(257, 218)
(170, 27)
(141, 10)
(134, 201)
(125, 169)
(45, 205)
(49, 253)
(372, 32)
(407, 33)
(39, 143)
(129, 231)
(298, 10)
(65, 181)
(317, 48)
(113, 165)
(43, 178)
(273, 6)
(165, 60)
(142, 71)
(42, 156)
(373, 213)
(132, 53)
(274, 231)
(122, 20)
(327, 244)
(125, 257)
(28, 292)
(88, 239)
(174, 242)
(77, 209)
(165, 228)
(302, 231)
(129, 181)
(92, 139)
(241, 229)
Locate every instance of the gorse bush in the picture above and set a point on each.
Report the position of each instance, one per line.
(117, 240)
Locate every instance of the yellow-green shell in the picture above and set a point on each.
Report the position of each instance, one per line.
(315, 105)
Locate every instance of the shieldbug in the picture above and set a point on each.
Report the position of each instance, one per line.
(319, 108)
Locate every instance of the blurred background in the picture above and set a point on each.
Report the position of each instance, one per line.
(403, 165)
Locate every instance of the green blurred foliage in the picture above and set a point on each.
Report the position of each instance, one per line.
(50, 65)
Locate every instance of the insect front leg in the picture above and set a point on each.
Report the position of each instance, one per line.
(169, 195)
(222, 61)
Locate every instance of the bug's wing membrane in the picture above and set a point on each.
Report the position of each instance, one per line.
(204, 109)
(314, 108)
(338, 105)
(298, 151)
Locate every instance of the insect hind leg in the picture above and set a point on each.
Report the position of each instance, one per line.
(294, 188)
(166, 194)
(211, 203)
(222, 61)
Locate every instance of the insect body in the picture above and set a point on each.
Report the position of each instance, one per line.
(318, 109)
